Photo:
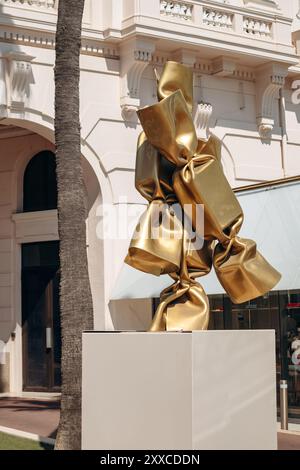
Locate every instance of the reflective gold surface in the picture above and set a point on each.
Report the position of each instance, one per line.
(202, 181)
(199, 262)
(176, 77)
(243, 271)
(157, 244)
(184, 305)
(153, 175)
(169, 127)
(182, 308)
(173, 166)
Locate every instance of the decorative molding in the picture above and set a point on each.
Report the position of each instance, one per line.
(48, 4)
(3, 89)
(47, 41)
(259, 28)
(223, 67)
(13, 36)
(202, 119)
(136, 55)
(185, 57)
(270, 79)
(246, 74)
(36, 226)
(267, 5)
(19, 77)
(265, 128)
(99, 49)
(218, 19)
(94, 48)
(181, 10)
(204, 67)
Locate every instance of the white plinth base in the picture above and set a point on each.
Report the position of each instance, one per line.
(179, 391)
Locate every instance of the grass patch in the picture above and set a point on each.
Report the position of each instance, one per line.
(8, 442)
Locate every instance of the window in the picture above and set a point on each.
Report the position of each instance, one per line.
(40, 188)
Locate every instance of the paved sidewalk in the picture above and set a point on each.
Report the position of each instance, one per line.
(35, 416)
(288, 440)
(41, 417)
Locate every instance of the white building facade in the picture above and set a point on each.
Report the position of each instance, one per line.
(245, 55)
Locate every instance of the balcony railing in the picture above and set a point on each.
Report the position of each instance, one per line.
(257, 28)
(176, 9)
(224, 17)
(219, 19)
(51, 4)
(241, 25)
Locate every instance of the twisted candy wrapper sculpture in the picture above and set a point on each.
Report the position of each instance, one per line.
(157, 244)
(174, 167)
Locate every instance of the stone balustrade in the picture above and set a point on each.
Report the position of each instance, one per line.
(176, 9)
(219, 19)
(257, 28)
(36, 3)
(200, 15)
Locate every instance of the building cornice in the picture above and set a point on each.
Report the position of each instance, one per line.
(47, 41)
(264, 51)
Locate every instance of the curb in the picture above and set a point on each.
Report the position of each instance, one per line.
(27, 435)
(293, 427)
(289, 433)
(32, 396)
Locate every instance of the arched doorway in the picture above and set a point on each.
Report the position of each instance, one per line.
(29, 243)
(41, 334)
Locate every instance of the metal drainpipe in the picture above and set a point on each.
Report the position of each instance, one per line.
(284, 140)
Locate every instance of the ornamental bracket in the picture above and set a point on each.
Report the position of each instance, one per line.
(19, 76)
(136, 55)
(203, 113)
(202, 119)
(223, 67)
(270, 80)
(185, 57)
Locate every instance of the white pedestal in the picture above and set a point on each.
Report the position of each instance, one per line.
(179, 391)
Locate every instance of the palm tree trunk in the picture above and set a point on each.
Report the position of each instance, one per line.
(75, 293)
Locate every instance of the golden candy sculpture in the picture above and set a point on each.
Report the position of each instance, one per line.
(173, 166)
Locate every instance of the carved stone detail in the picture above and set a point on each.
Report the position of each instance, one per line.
(270, 79)
(217, 19)
(177, 9)
(258, 28)
(185, 57)
(202, 119)
(136, 55)
(51, 4)
(19, 77)
(3, 89)
(224, 67)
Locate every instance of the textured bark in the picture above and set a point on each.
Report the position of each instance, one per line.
(75, 292)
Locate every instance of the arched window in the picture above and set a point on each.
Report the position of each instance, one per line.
(40, 187)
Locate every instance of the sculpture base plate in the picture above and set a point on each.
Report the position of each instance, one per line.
(179, 391)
